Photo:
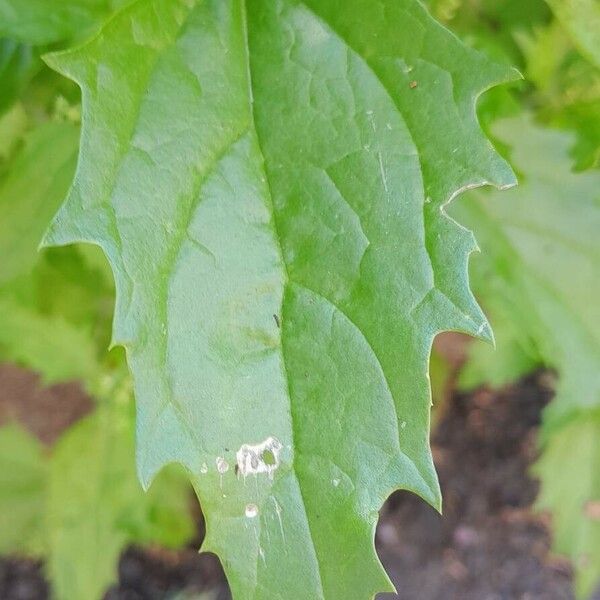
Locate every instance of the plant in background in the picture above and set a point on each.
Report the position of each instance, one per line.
(537, 273)
(269, 180)
(536, 276)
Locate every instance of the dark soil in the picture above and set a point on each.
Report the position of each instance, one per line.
(22, 579)
(489, 545)
(157, 574)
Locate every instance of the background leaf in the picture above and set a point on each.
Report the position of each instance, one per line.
(18, 64)
(567, 89)
(573, 497)
(23, 476)
(537, 277)
(51, 306)
(40, 22)
(47, 344)
(95, 506)
(48, 158)
(581, 18)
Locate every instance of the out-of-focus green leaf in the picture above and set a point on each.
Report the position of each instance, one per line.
(95, 505)
(74, 284)
(570, 472)
(567, 89)
(496, 17)
(267, 179)
(444, 10)
(538, 277)
(41, 22)
(22, 486)
(440, 374)
(48, 344)
(18, 64)
(45, 301)
(13, 125)
(581, 18)
(30, 192)
(56, 307)
(507, 16)
(56, 318)
(546, 51)
(584, 119)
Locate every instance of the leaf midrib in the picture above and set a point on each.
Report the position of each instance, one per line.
(287, 279)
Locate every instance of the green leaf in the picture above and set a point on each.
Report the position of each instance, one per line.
(444, 10)
(34, 330)
(30, 193)
(581, 18)
(17, 65)
(567, 89)
(573, 496)
(74, 283)
(95, 505)
(537, 277)
(56, 318)
(492, 24)
(22, 486)
(268, 182)
(40, 22)
(13, 124)
(50, 345)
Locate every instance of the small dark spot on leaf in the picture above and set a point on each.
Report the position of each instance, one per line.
(276, 318)
(413, 85)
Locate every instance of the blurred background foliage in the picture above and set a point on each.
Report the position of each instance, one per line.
(536, 278)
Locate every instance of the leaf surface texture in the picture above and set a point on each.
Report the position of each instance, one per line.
(267, 180)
